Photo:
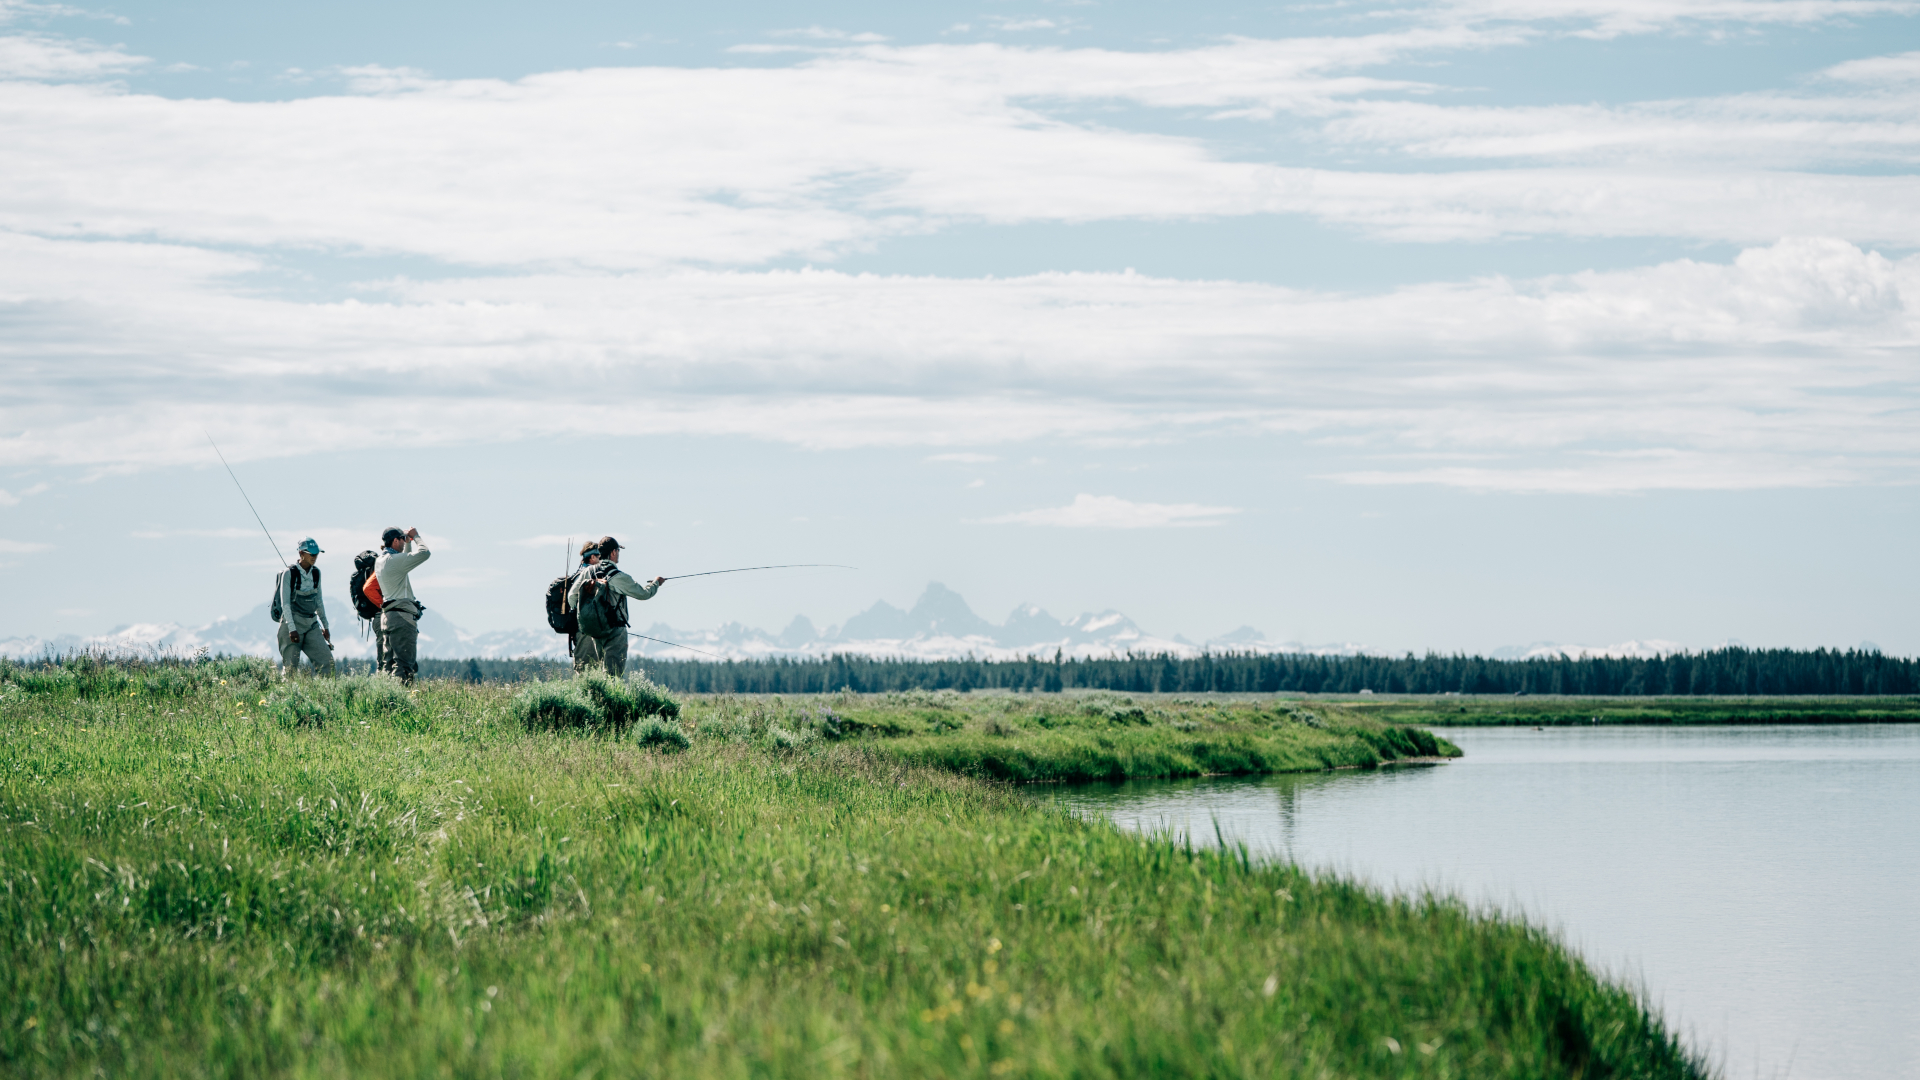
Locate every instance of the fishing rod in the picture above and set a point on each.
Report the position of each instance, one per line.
(677, 645)
(744, 569)
(243, 495)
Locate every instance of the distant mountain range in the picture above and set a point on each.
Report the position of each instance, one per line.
(1546, 650)
(940, 625)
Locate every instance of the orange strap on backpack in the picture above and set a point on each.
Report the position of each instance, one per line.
(372, 590)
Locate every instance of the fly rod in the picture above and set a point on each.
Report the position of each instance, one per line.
(744, 569)
(243, 495)
(677, 645)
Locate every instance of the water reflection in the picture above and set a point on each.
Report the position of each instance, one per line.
(1760, 882)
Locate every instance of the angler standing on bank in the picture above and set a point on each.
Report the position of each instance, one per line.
(400, 613)
(599, 594)
(302, 612)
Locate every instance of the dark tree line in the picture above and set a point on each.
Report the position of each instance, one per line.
(1735, 671)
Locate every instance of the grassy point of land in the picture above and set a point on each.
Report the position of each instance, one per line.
(207, 872)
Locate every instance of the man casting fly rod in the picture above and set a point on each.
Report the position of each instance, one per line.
(598, 596)
(589, 604)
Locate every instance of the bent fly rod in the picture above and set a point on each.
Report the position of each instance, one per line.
(677, 645)
(738, 570)
(243, 495)
(744, 569)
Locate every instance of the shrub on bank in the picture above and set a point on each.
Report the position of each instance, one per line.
(593, 701)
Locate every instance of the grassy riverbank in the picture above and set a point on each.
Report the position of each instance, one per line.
(1076, 737)
(1507, 711)
(224, 878)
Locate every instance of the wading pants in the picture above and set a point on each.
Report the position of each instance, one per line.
(319, 653)
(400, 631)
(586, 652)
(609, 651)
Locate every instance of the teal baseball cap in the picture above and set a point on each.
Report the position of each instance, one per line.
(310, 546)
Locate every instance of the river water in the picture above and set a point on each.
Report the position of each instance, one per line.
(1762, 884)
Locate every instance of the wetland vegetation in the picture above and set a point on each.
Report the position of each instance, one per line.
(211, 872)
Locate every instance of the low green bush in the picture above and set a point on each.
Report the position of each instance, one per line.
(667, 738)
(592, 701)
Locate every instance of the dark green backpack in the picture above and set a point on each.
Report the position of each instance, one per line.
(599, 606)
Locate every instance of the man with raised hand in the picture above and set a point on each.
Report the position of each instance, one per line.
(303, 615)
(603, 608)
(400, 552)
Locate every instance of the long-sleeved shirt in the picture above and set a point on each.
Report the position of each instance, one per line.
(301, 604)
(619, 582)
(393, 567)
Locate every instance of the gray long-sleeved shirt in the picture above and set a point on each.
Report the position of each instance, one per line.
(393, 567)
(619, 582)
(301, 605)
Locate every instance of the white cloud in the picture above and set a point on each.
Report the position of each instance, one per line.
(44, 56)
(964, 458)
(1789, 365)
(1837, 124)
(863, 143)
(1111, 512)
(22, 547)
(1893, 70)
(1612, 18)
(606, 217)
(7, 498)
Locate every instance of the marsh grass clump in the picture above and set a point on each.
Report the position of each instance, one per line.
(298, 704)
(555, 706)
(593, 701)
(655, 734)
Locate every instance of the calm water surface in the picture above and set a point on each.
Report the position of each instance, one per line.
(1762, 884)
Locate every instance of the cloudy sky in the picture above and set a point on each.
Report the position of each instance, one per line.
(1449, 325)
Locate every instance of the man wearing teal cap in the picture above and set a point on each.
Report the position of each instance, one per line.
(303, 615)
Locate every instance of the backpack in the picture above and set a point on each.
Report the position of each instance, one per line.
(363, 604)
(599, 606)
(562, 619)
(274, 610)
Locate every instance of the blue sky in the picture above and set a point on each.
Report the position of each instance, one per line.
(1442, 326)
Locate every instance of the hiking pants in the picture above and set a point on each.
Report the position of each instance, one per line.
(319, 653)
(609, 651)
(586, 652)
(400, 630)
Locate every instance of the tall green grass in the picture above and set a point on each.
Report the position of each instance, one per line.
(423, 885)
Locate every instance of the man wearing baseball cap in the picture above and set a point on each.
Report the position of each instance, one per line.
(303, 615)
(400, 552)
(613, 586)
